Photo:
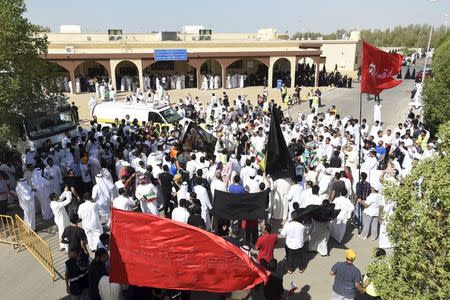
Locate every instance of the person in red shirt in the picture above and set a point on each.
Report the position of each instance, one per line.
(265, 244)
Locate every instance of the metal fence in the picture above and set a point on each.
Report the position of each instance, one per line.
(36, 245)
(8, 232)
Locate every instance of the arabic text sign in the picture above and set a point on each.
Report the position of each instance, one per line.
(170, 54)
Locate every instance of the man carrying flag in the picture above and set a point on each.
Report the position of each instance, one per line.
(378, 69)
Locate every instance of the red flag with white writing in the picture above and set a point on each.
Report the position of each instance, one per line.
(151, 251)
(378, 69)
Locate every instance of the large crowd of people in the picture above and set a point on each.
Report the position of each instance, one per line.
(134, 165)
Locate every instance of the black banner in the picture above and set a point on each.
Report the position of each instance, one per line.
(279, 161)
(249, 206)
(196, 138)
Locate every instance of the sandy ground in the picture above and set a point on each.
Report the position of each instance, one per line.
(81, 100)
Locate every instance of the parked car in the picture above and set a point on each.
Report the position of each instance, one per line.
(428, 74)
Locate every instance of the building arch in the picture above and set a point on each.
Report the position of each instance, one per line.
(252, 71)
(211, 74)
(281, 71)
(127, 76)
(87, 73)
(171, 74)
(62, 77)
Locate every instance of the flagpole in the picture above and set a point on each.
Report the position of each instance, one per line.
(360, 146)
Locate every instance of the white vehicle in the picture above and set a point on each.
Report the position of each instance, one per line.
(162, 114)
(49, 124)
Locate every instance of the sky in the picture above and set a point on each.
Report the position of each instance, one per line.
(324, 16)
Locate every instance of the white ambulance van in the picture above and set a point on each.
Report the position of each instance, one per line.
(157, 113)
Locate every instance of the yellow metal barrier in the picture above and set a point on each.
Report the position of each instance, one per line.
(36, 245)
(8, 232)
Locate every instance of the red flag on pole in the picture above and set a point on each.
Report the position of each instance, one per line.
(148, 250)
(378, 69)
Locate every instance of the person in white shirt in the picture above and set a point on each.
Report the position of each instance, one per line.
(218, 184)
(294, 233)
(338, 226)
(247, 170)
(58, 206)
(180, 213)
(251, 185)
(314, 198)
(26, 196)
(123, 202)
(146, 193)
(295, 192)
(90, 218)
(202, 195)
(370, 214)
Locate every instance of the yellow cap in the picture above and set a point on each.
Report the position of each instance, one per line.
(350, 254)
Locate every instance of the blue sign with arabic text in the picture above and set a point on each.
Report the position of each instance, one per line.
(170, 54)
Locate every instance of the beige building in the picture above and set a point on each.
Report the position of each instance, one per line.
(263, 56)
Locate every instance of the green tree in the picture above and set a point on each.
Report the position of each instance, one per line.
(420, 228)
(26, 81)
(411, 36)
(436, 93)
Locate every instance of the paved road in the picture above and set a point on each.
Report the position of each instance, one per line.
(21, 277)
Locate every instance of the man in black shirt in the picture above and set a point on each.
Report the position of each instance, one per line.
(165, 179)
(76, 273)
(195, 219)
(274, 287)
(74, 235)
(335, 160)
(96, 271)
(226, 102)
(337, 186)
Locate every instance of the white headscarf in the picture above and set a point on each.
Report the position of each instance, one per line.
(23, 190)
(183, 192)
(38, 180)
(105, 186)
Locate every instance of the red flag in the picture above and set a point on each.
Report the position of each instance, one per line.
(148, 250)
(378, 69)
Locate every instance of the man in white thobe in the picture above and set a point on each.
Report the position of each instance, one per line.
(294, 195)
(91, 104)
(90, 218)
(26, 197)
(202, 195)
(280, 205)
(43, 188)
(217, 184)
(338, 226)
(53, 173)
(102, 193)
(62, 220)
(146, 193)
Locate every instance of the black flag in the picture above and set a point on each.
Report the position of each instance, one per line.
(248, 206)
(279, 161)
(196, 138)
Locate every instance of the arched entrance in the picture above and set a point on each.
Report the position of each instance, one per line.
(246, 72)
(211, 72)
(305, 72)
(281, 71)
(87, 74)
(62, 78)
(170, 75)
(127, 78)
